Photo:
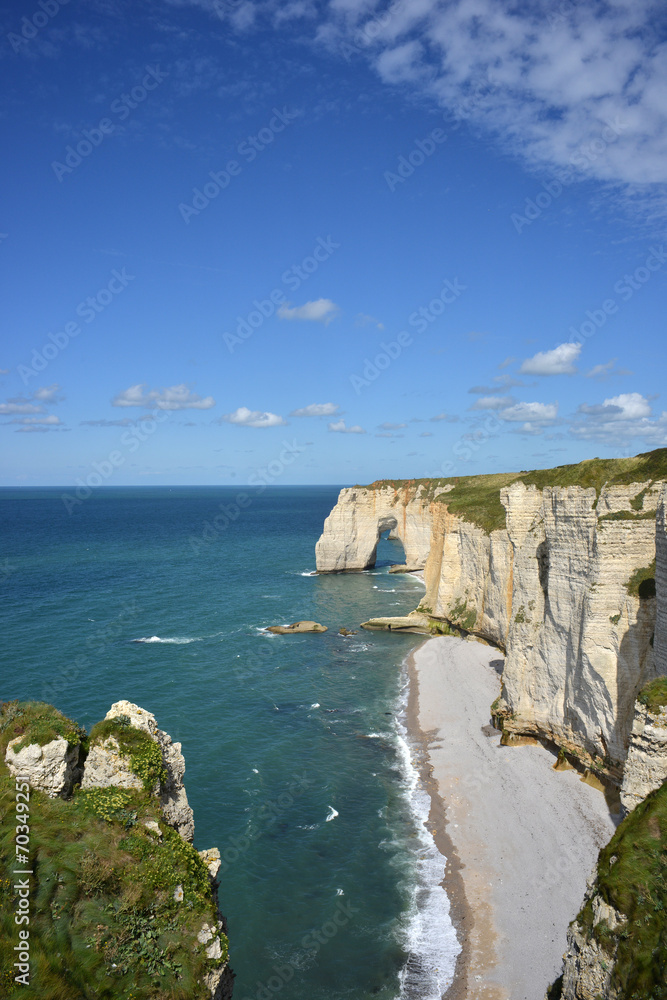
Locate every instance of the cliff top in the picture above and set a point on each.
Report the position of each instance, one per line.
(117, 899)
(477, 498)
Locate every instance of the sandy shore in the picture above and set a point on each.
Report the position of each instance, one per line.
(520, 838)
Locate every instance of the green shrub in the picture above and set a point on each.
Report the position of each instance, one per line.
(142, 751)
(654, 695)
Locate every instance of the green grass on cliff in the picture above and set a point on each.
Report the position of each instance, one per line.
(654, 695)
(477, 498)
(104, 920)
(632, 877)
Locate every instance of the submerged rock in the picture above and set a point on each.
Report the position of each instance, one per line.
(296, 627)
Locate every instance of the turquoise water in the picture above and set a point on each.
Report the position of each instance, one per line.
(298, 768)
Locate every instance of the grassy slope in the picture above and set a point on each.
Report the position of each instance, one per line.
(104, 920)
(632, 877)
(477, 498)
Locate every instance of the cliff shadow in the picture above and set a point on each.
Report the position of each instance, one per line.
(636, 662)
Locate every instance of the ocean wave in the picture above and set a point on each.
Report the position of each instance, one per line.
(309, 572)
(427, 933)
(315, 705)
(332, 814)
(177, 640)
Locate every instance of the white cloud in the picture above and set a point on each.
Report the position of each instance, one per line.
(560, 361)
(6, 409)
(339, 427)
(493, 403)
(362, 319)
(386, 426)
(174, 397)
(546, 83)
(48, 393)
(316, 410)
(50, 421)
(319, 311)
(531, 412)
(631, 405)
(621, 418)
(243, 417)
(605, 371)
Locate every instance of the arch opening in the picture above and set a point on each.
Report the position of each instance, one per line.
(388, 549)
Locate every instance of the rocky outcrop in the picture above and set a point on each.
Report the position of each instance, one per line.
(646, 764)
(563, 587)
(352, 530)
(106, 765)
(296, 627)
(414, 622)
(588, 964)
(53, 768)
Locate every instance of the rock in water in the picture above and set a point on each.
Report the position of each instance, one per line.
(296, 627)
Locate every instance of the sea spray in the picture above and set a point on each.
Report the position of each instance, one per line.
(428, 935)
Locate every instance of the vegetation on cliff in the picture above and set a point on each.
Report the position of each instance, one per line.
(115, 906)
(477, 498)
(632, 878)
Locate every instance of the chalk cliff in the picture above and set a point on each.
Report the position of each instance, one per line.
(114, 878)
(555, 567)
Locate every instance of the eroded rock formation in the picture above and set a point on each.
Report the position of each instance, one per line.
(564, 587)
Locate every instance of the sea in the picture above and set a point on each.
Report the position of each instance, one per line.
(299, 767)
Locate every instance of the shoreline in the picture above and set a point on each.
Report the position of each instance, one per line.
(520, 839)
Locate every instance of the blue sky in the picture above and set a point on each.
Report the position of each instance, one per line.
(330, 242)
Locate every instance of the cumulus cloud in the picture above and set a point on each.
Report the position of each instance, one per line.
(621, 418)
(243, 417)
(560, 361)
(319, 311)
(32, 403)
(443, 416)
(124, 422)
(362, 319)
(339, 427)
(386, 426)
(317, 410)
(493, 403)
(7, 409)
(174, 397)
(532, 412)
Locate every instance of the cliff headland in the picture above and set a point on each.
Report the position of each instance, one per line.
(565, 572)
(103, 893)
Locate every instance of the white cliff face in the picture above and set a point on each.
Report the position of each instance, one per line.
(578, 643)
(106, 766)
(52, 768)
(551, 589)
(646, 764)
(352, 530)
(661, 585)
